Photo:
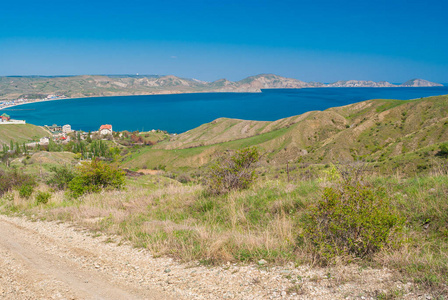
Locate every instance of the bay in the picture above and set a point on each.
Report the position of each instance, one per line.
(181, 112)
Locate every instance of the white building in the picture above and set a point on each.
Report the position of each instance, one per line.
(66, 128)
(44, 141)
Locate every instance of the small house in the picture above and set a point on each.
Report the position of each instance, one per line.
(5, 118)
(106, 129)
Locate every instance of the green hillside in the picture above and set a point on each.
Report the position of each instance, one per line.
(21, 133)
(374, 130)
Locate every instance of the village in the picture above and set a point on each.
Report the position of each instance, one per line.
(58, 138)
(61, 134)
(5, 103)
(64, 134)
(103, 143)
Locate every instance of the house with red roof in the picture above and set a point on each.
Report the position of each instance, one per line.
(106, 129)
(5, 118)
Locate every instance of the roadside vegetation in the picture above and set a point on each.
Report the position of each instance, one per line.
(377, 221)
(245, 204)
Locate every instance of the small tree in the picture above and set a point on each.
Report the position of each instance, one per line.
(25, 149)
(231, 172)
(89, 138)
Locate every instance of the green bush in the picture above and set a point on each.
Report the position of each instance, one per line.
(232, 172)
(25, 190)
(42, 197)
(351, 220)
(94, 176)
(444, 149)
(61, 177)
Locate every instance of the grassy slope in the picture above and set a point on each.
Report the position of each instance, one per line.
(197, 156)
(223, 130)
(179, 220)
(21, 133)
(377, 130)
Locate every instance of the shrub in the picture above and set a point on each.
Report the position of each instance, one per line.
(184, 178)
(161, 167)
(444, 149)
(95, 176)
(351, 220)
(14, 179)
(61, 177)
(232, 172)
(25, 190)
(43, 197)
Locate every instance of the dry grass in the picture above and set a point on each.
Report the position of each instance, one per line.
(180, 220)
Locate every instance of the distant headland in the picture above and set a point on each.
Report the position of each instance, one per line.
(16, 90)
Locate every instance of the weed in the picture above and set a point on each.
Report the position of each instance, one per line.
(296, 289)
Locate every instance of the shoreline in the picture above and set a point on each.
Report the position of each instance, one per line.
(105, 96)
(202, 92)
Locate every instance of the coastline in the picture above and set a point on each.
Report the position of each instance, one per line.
(19, 104)
(105, 96)
(203, 92)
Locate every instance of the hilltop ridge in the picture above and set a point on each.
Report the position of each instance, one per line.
(15, 87)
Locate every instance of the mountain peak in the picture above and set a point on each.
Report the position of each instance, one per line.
(417, 82)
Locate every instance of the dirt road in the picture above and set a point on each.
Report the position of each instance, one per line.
(49, 260)
(35, 266)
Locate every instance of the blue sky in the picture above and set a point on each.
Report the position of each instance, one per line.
(309, 40)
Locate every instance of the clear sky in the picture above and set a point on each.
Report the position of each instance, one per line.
(314, 40)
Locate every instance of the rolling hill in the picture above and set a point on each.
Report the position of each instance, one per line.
(374, 130)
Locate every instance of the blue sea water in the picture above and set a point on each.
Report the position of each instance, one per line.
(181, 112)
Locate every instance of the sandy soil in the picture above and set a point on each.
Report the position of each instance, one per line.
(49, 260)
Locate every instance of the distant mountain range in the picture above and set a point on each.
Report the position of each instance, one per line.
(13, 87)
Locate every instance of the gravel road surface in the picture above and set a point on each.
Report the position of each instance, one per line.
(50, 260)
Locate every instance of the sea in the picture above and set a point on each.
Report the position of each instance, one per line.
(181, 112)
